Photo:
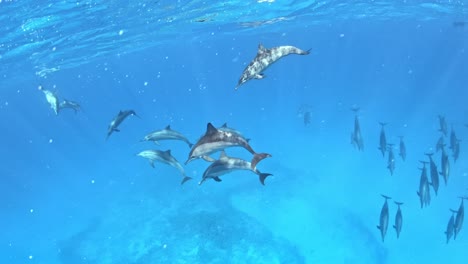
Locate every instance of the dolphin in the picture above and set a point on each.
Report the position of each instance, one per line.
(226, 165)
(456, 150)
(383, 139)
(225, 128)
(52, 99)
(166, 134)
(164, 157)
(402, 149)
(356, 136)
(70, 104)
(459, 218)
(307, 118)
(424, 191)
(442, 125)
(383, 222)
(398, 220)
(450, 226)
(265, 57)
(113, 126)
(440, 143)
(434, 173)
(214, 140)
(391, 159)
(445, 164)
(453, 139)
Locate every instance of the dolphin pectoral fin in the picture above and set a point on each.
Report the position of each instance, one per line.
(217, 179)
(116, 129)
(263, 176)
(156, 142)
(186, 178)
(394, 226)
(259, 76)
(378, 227)
(208, 158)
(152, 163)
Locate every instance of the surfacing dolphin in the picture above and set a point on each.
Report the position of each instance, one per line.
(214, 140)
(226, 165)
(166, 134)
(164, 157)
(265, 57)
(113, 126)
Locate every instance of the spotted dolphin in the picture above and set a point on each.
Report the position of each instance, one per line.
(265, 57)
(226, 165)
(450, 226)
(226, 128)
(443, 125)
(52, 99)
(113, 126)
(459, 218)
(456, 150)
(445, 166)
(440, 143)
(383, 220)
(356, 136)
(398, 220)
(215, 140)
(166, 134)
(434, 173)
(402, 149)
(391, 159)
(164, 157)
(424, 192)
(382, 139)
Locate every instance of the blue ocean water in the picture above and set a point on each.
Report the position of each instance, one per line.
(71, 196)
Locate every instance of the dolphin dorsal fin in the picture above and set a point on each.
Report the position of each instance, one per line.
(224, 125)
(210, 129)
(168, 152)
(222, 155)
(168, 127)
(261, 49)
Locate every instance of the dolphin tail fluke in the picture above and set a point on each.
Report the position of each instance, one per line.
(383, 124)
(263, 176)
(257, 158)
(186, 178)
(398, 203)
(386, 197)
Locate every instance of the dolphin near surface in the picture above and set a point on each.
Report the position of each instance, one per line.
(264, 58)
